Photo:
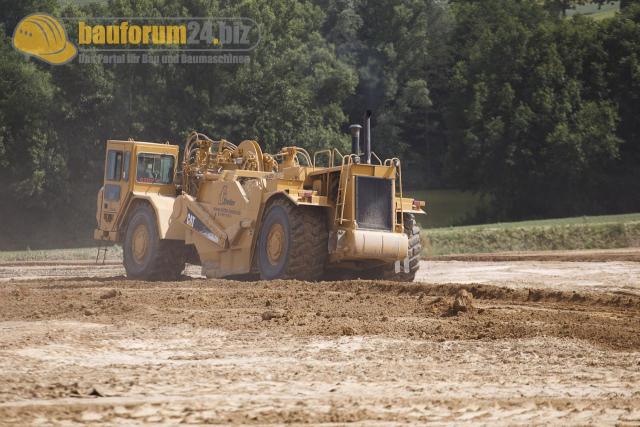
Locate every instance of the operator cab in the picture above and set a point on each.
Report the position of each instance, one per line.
(131, 168)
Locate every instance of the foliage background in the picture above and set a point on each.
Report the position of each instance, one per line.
(535, 112)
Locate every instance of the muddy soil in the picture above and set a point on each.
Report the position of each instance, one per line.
(108, 350)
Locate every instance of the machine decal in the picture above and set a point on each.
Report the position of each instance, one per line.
(194, 223)
(223, 200)
(226, 212)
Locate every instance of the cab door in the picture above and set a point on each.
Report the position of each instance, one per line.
(117, 178)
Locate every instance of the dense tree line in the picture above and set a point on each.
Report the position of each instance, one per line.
(541, 111)
(507, 98)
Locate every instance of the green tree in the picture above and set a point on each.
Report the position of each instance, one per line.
(31, 165)
(398, 48)
(619, 71)
(14, 10)
(523, 127)
(291, 92)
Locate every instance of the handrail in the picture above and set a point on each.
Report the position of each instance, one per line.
(336, 151)
(347, 161)
(328, 151)
(333, 155)
(396, 162)
(377, 158)
(305, 154)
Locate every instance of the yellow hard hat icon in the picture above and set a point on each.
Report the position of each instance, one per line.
(42, 36)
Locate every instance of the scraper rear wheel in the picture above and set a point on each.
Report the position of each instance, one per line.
(292, 243)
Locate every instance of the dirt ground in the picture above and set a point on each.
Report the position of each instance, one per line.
(540, 342)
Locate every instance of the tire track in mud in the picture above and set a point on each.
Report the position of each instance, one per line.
(335, 308)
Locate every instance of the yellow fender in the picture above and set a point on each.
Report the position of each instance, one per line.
(163, 207)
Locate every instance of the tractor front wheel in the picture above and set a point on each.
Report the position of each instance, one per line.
(412, 230)
(146, 256)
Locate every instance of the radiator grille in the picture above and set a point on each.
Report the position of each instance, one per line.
(374, 203)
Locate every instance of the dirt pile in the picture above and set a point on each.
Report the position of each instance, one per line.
(462, 303)
(273, 314)
(111, 293)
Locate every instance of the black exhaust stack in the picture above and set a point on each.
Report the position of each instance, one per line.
(355, 139)
(367, 137)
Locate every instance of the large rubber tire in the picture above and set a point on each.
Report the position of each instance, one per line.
(158, 259)
(301, 242)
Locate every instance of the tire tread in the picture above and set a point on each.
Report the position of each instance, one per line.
(168, 261)
(308, 252)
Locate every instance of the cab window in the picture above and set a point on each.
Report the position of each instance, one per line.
(125, 166)
(155, 168)
(114, 165)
